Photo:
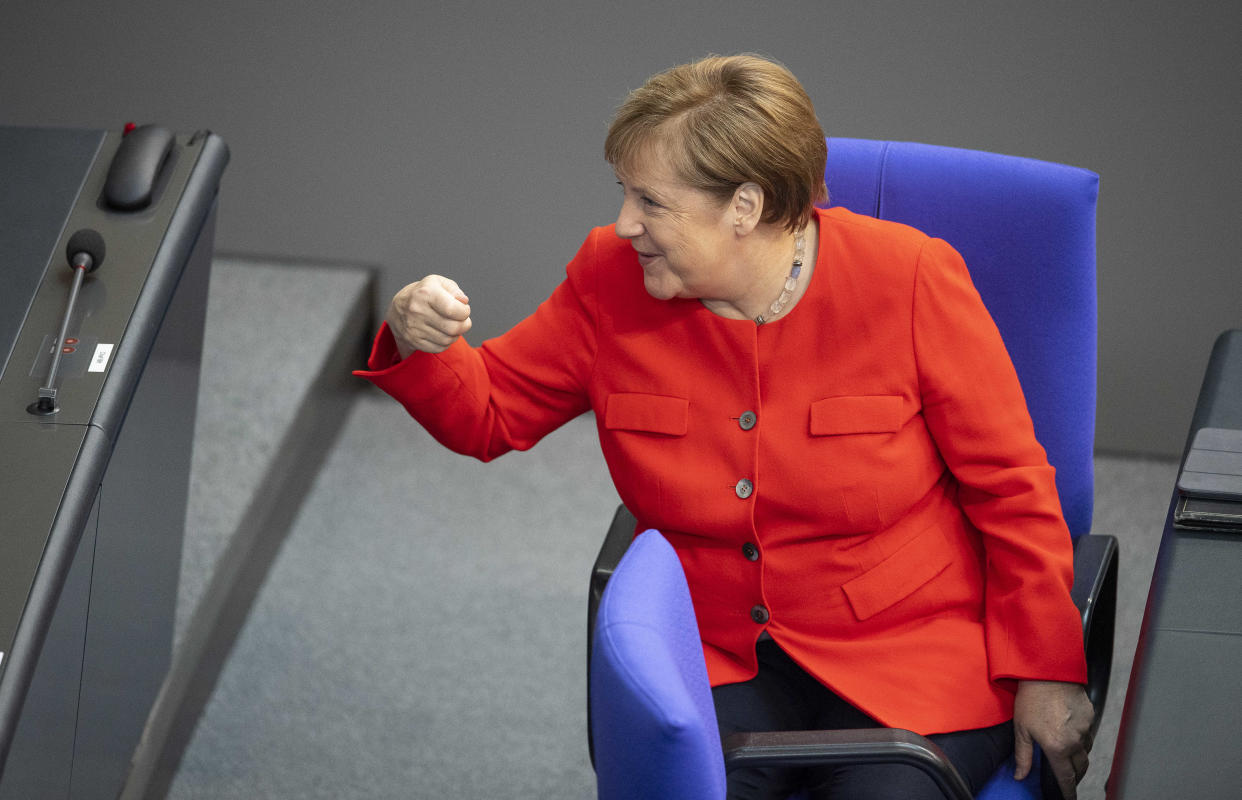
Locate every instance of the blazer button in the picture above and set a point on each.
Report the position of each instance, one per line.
(747, 420)
(760, 615)
(744, 488)
(750, 551)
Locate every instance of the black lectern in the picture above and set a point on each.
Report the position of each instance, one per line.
(105, 251)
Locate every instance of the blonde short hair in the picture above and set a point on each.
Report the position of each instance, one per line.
(726, 120)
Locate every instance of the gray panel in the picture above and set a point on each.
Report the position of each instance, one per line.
(1185, 738)
(1202, 578)
(44, 741)
(42, 171)
(31, 487)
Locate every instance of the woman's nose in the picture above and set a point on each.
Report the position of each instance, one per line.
(628, 226)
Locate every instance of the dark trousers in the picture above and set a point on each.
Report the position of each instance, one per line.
(784, 697)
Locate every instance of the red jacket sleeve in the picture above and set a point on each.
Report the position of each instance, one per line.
(976, 412)
(511, 391)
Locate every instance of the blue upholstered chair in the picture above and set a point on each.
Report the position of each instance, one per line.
(652, 718)
(1027, 232)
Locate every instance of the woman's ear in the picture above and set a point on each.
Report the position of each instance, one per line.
(747, 207)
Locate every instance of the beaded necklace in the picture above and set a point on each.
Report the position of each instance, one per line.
(791, 283)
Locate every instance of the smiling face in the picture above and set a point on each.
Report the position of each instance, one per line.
(685, 238)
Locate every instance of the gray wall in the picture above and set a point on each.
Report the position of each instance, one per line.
(465, 138)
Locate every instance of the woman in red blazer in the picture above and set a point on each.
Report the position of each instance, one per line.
(816, 410)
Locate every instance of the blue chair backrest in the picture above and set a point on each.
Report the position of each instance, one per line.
(1027, 231)
(652, 718)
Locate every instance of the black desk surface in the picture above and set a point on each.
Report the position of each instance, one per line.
(1184, 706)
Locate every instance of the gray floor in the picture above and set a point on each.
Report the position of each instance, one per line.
(255, 372)
(421, 634)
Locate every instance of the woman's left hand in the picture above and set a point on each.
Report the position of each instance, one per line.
(1058, 717)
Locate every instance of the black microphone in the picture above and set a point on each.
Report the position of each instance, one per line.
(86, 250)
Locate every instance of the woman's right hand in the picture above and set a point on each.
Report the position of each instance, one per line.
(428, 315)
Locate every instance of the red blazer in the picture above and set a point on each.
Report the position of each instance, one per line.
(860, 477)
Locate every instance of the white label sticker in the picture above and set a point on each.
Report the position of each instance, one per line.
(99, 362)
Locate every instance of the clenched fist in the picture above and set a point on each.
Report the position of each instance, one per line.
(428, 315)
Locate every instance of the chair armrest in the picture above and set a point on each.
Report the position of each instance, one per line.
(620, 534)
(863, 746)
(616, 542)
(1095, 594)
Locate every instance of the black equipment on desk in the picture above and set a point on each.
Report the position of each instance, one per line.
(1210, 484)
(98, 393)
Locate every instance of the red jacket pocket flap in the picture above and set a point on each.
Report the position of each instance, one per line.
(650, 413)
(879, 413)
(897, 577)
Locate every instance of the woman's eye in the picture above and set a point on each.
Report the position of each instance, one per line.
(643, 199)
